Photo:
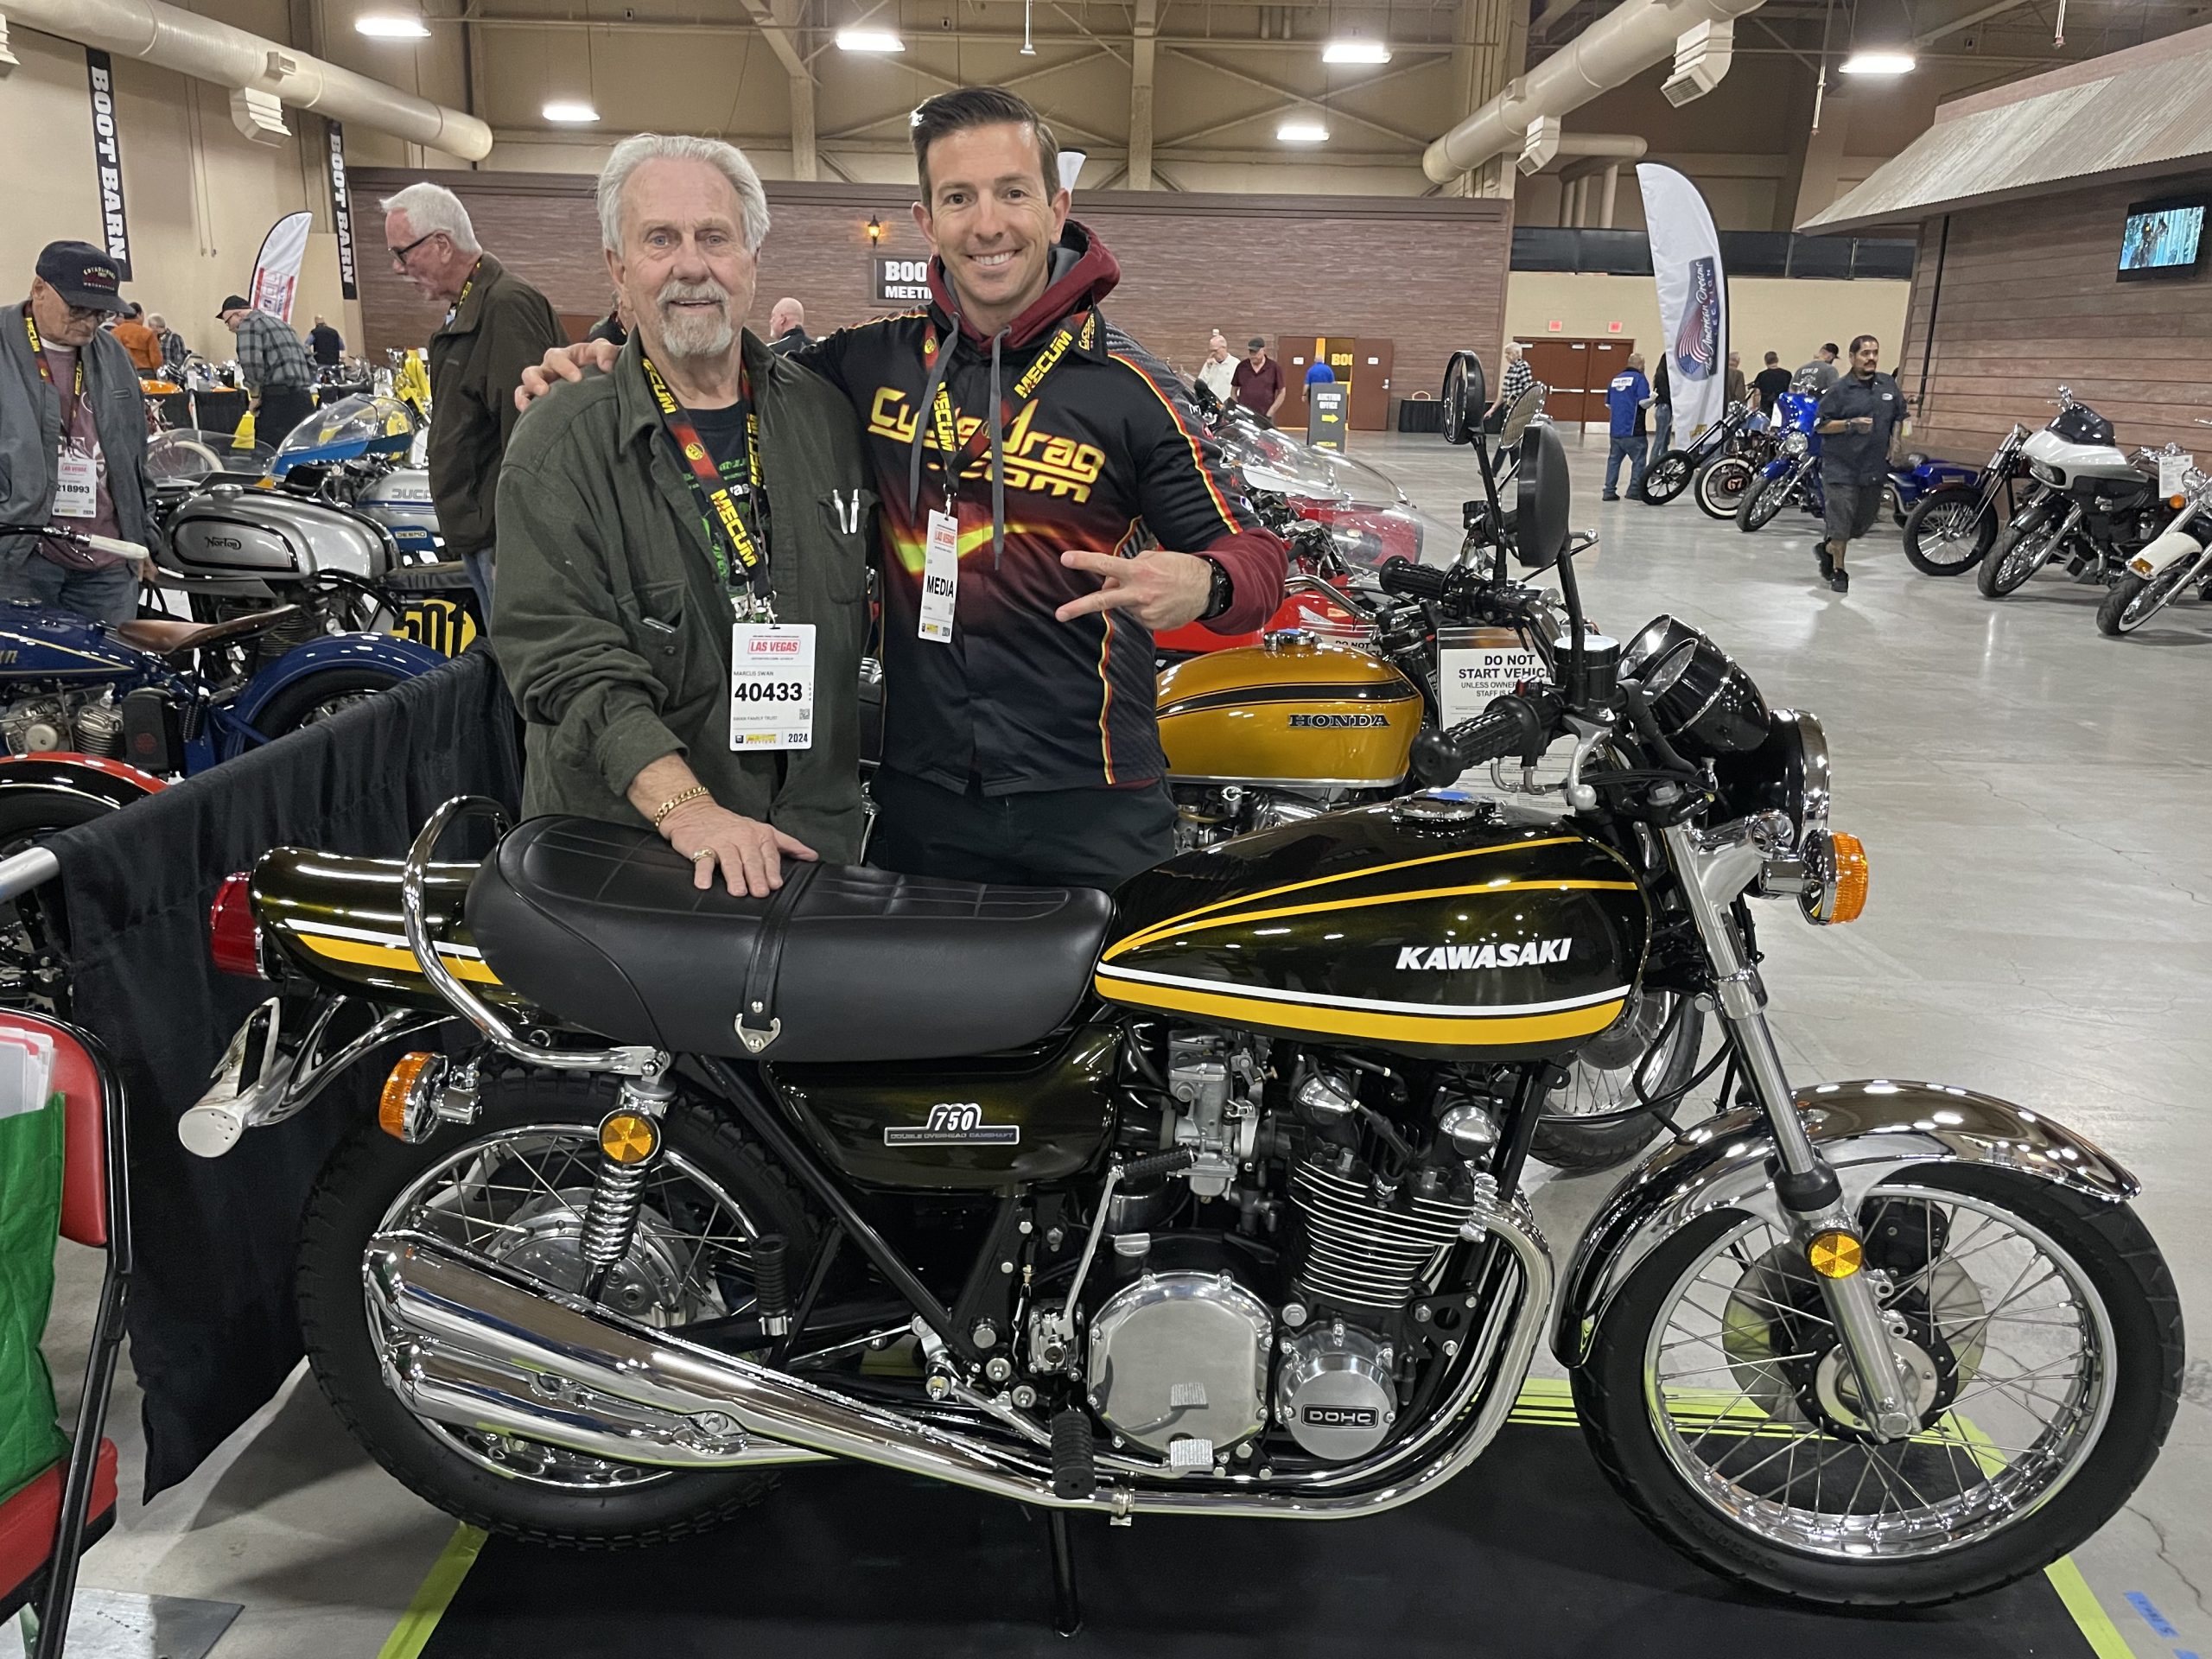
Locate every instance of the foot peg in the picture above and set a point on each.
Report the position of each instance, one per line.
(771, 1287)
(1075, 1455)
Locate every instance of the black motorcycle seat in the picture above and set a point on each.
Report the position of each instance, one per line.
(600, 925)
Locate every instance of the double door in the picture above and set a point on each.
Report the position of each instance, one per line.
(1362, 366)
(1578, 372)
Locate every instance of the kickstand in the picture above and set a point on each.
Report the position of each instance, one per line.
(1067, 1605)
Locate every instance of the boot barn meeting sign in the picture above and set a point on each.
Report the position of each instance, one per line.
(107, 156)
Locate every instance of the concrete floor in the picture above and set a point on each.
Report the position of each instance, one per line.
(2034, 810)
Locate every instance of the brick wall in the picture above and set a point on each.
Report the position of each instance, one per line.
(1427, 274)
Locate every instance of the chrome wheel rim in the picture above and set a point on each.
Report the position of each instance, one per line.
(2155, 594)
(519, 1196)
(1946, 524)
(2012, 1355)
(1601, 1084)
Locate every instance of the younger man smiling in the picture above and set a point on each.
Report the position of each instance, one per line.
(1019, 740)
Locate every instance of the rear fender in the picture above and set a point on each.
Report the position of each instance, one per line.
(401, 656)
(1869, 1131)
(83, 777)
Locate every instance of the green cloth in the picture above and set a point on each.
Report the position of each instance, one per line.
(30, 1220)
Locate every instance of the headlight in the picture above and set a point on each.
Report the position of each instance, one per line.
(1704, 703)
(1795, 444)
(1788, 774)
(2047, 474)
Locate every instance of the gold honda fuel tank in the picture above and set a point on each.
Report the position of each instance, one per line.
(1293, 712)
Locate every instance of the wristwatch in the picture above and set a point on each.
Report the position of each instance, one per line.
(1223, 594)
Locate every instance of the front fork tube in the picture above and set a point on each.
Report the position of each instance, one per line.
(1809, 1190)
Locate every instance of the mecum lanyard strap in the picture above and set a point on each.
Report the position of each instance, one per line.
(961, 457)
(707, 480)
(38, 351)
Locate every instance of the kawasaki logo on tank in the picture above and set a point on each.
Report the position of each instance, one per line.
(1533, 954)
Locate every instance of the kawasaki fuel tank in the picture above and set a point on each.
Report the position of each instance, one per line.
(1430, 926)
(1291, 712)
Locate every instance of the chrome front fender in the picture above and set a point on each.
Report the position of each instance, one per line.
(1869, 1131)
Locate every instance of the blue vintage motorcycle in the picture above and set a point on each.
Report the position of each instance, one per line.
(96, 716)
(1793, 476)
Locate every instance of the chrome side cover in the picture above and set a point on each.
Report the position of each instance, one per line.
(1868, 1130)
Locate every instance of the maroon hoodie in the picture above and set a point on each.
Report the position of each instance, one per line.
(1103, 453)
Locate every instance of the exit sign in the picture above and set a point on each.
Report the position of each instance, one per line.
(1612, 327)
(1556, 327)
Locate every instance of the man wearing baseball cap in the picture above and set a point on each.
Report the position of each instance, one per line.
(273, 362)
(1258, 381)
(73, 439)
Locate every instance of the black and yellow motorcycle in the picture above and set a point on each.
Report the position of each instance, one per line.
(1203, 1197)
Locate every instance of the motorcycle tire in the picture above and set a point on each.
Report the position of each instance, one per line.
(2014, 556)
(34, 959)
(2135, 599)
(1572, 1140)
(1669, 476)
(1719, 485)
(363, 1182)
(2115, 1257)
(1938, 521)
(310, 701)
(1763, 501)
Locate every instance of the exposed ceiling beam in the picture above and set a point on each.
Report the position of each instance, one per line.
(1309, 99)
(1144, 23)
(1928, 37)
(1182, 141)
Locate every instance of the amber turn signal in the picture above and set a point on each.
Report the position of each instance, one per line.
(627, 1138)
(1835, 1255)
(1850, 878)
(403, 1108)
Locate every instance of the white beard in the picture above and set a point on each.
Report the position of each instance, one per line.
(687, 333)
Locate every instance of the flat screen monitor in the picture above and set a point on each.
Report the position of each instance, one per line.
(2162, 238)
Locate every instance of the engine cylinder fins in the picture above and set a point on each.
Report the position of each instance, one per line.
(1357, 1251)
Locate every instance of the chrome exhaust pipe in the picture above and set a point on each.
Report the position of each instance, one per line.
(474, 1344)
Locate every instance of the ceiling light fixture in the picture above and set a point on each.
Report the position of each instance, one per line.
(868, 40)
(1352, 49)
(1302, 131)
(385, 27)
(570, 114)
(1028, 46)
(1878, 63)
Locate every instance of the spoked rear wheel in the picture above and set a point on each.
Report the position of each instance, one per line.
(515, 1185)
(2044, 1338)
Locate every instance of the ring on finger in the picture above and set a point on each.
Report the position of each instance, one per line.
(704, 852)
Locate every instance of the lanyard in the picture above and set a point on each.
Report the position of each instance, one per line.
(707, 480)
(38, 351)
(461, 298)
(947, 428)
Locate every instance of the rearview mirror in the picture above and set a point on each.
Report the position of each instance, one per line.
(1541, 512)
(1466, 394)
(1526, 408)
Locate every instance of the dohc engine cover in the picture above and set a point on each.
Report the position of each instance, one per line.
(1178, 1365)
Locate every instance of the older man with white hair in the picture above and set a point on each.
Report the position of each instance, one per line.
(684, 544)
(495, 326)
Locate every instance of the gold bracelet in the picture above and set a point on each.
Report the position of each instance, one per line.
(675, 801)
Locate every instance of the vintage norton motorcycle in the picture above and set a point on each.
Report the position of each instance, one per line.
(1202, 1197)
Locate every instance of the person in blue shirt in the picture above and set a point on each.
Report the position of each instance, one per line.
(1625, 399)
(1320, 372)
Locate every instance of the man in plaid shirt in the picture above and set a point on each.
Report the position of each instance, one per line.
(276, 367)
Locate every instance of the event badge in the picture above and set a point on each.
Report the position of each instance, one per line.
(76, 494)
(2173, 473)
(1476, 664)
(940, 577)
(771, 685)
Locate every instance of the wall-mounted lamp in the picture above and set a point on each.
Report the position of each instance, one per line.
(874, 228)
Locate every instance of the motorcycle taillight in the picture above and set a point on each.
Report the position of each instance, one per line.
(234, 937)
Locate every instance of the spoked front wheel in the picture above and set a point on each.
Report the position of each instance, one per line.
(1764, 500)
(2135, 599)
(1593, 1119)
(2043, 1336)
(1719, 485)
(1668, 477)
(1948, 530)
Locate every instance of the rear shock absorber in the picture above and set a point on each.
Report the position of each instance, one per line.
(629, 1146)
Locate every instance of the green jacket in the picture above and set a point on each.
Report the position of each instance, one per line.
(477, 356)
(599, 534)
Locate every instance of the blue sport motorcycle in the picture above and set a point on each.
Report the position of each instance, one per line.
(95, 715)
(1793, 476)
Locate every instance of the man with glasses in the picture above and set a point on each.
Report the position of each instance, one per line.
(73, 439)
(496, 325)
(274, 366)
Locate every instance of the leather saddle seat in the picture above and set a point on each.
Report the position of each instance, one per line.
(167, 637)
(600, 925)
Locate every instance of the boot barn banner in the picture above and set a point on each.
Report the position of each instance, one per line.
(276, 271)
(107, 159)
(341, 213)
(1692, 295)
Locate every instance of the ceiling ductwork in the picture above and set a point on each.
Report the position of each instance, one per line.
(262, 75)
(1697, 35)
(1545, 143)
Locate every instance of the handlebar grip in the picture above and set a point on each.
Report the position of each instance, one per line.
(1438, 758)
(1402, 576)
